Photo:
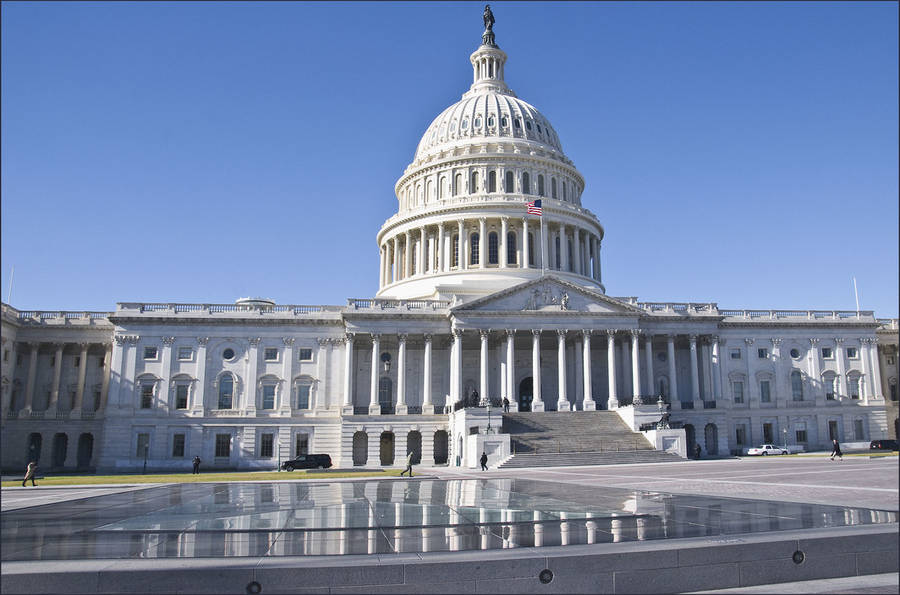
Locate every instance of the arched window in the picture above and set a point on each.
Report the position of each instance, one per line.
(530, 249)
(385, 398)
(571, 256)
(226, 391)
(526, 183)
(556, 250)
(474, 187)
(457, 187)
(429, 193)
(510, 182)
(662, 384)
(414, 258)
(454, 253)
(492, 181)
(564, 189)
(493, 248)
(853, 382)
(828, 384)
(540, 185)
(511, 251)
(797, 385)
(442, 187)
(473, 248)
(420, 198)
(553, 187)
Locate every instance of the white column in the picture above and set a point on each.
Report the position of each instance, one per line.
(564, 256)
(812, 362)
(198, 404)
(287, 373)
(504, 228)
(427, 405)
(396, 255)
(625, 354)
(165, 398)
(576, 247)
(440, 248)
(589, 404)
(524, 245)
(695, 375)
(635, 366)
(482, 243)
(562, 403)
(537, 404)
(348, 374)
(673, 372)
(543, 241)
(649, 389)
(483, 385)
(57, 372)
(382, 282)
(868, 347)
(717, 366)
(613, 401)
(78, 405)
(374, 406)
(401, 376)
(32, 374)
(461, 248)
(252, 363)
(420, 253)
(457, 361)
(752, 390)
(407, 268)
(511, 370)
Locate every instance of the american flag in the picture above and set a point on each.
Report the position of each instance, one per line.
(534, 208)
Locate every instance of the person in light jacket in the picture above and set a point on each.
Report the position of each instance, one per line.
(30, 472)
(409, 459)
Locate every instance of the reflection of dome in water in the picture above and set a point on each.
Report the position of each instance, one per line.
(462, 226)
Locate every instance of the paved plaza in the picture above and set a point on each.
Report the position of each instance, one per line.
(666, 517)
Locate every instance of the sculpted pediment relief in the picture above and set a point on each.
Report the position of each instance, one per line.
(548, 294)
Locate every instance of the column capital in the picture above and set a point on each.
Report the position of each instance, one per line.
(504, 219)
(84, 345)
(536, 332)
(510, 332)
(838, 340)
(203, 341)
(440, 226)
(715, 338)
(749, 341)
(586, 333)
(133, 339)
(427, 338)
(485, 333)
(348, 337)
(776, 341)
(401, 338)
(457, 333)
(813, 341)
(636, 332)
(612, 332)
(254, 341)
(288, 341)
(375, 336)
(561, 332)
(168, 340)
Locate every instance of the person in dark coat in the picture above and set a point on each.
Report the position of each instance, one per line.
(836, 450)
(697, 451)
(196, 465)
(30, 472)
(484, 461)
(505, 405)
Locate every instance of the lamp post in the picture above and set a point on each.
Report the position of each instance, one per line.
(784, 434)
(146, 448)
(663, 423)
(488, 431)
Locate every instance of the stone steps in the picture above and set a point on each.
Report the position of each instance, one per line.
(589, 458)
(571, 432)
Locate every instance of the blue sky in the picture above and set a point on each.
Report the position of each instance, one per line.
(741, 153)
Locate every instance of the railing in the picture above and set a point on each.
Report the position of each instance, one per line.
(887, 323)
(360, 411)
(225, 413)
(680, 307)
(414, 410)
(708, 404)
(387, 304)
(687, 404)
(262, 309)
(798, 314)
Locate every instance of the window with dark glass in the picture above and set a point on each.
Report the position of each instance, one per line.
(270, 354)
(765, 395)
(797, 385)
(493, 248)
(553, 187)
(146, 396)
(454, 256)
(143, 445)
(185, 353)
(473, 248)
(266, 442)
(178, 445)
(540, 185)
(223, 445)
(851, 352)
(304, 354)
(556, 251)
(492, 181)
(149, 352)
(303, 396)
(526, 183)
(510, 182)
(530, 249)
(511, 249)
(853, 382)
(228, 353)
(737, 388)
(181, 395)
(827, 353)
(828, 381)
(226, 391)
(268, 396)
(474, 187)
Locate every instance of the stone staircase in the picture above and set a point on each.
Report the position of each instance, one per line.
(561, 438)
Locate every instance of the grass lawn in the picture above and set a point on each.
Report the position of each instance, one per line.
(73, 480)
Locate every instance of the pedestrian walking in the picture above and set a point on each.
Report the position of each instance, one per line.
(484, 461)
(505, 405)
(697, 451)
(197, 462)
(30, 472)
(409, 458)
(836, 450)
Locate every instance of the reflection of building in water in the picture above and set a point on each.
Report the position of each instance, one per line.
(479, 299)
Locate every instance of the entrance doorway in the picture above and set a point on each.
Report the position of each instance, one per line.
(440, 447)
(711, 433)
(690, 438)
(387, 448)
(526, 394)
(85, 450)
(360, 448)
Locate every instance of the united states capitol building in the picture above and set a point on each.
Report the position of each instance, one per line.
(480, 299)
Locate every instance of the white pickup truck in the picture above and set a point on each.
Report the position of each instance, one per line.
(767, 449)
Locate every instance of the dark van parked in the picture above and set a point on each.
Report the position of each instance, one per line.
(883, 445)
(308, 462)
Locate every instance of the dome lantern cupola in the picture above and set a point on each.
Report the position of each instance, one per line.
(488, 61)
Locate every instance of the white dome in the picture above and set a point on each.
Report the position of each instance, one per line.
(487, 116)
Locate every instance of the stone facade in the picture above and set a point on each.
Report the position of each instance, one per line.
(480, 299)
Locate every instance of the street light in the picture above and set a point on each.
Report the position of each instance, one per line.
(784, 433)
(146, 448)
(488, 431)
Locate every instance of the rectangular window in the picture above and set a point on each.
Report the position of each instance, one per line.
(143, 445)
(762, 353)
(854, 387)
(223, 445)
(305, 355)
(858, 428)
(265, 445)
(96, 400)
(768, 435)
(832, 430)
(270, 354)
(77, 361)
(740, 434)
(801, 436)
(181, 395)
(765, 395)
(827, 353)
(735, 354)
(150, 352)
(737, 388)
(829, 388)
(185, 353)
(852, 353)
(301, 446)
(146, 396)
(178, 445)
(303, 396)
(268, 399)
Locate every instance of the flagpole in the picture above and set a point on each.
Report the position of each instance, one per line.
(543, 264)
(856, 294)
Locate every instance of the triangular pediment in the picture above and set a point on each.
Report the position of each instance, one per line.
(548, 294)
